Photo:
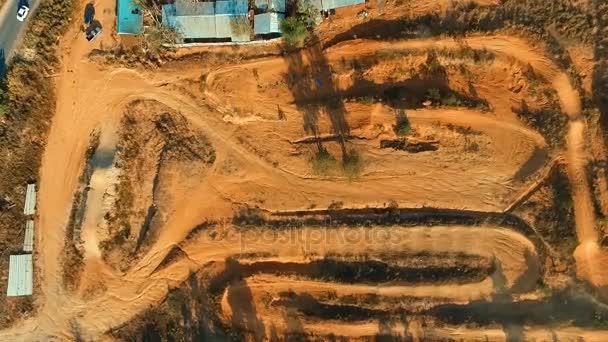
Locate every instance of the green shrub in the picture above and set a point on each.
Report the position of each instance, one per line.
(432, 68)
(308, 13)
(323, 163)
(403, 126)
(353, 164)
(294, 32)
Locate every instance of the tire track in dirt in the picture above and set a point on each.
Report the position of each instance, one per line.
(428, 184)
(513, 251)
(511, 47)
(272, 319)
(539, 63)
(588, 253)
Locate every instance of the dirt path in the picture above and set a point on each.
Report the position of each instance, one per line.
(515, 254)
(260, 295)
(409, 179)
(513, 48)
(273, 284)
(588, 253)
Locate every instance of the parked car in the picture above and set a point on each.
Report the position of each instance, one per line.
(89, 13)
(92, 33)
(22, 12)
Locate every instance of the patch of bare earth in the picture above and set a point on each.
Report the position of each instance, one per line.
(159, 157)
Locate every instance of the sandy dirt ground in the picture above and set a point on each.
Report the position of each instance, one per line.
(94, 97)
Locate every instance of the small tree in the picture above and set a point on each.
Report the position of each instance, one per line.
(294, 32)
(156, 34)
(352, 164)
(433, 68)
(308, 13)
(323, 163)
(402, 127)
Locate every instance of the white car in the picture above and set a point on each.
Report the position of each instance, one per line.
(22, 12)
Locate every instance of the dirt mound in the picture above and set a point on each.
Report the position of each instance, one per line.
(157, 147)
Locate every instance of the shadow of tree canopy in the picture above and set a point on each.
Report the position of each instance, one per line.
(186, 314)
(309, 76)
(244, 313)
(565, 306)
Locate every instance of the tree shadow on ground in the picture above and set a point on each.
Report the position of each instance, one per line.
(244, 313)
(565, 306)
(309, 76)
(539, 158)
(514, 332)
(529, 278)
(499, 281)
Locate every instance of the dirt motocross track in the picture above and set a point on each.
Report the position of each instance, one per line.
(403, 226)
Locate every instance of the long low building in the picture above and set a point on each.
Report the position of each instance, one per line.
(268, 23)
(28, 240)
(29, 207)
(20, 276)
(209, 21)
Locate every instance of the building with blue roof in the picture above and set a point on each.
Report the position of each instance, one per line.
(207, 21)
(129, 19)
(268, 23)
(233, 7)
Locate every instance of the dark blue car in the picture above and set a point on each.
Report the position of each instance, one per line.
(89, 13)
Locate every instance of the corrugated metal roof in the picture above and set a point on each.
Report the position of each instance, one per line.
(207, 8)
(188, 8)
(223, 28)
(271, 5)
(129, 19)
(202, 26)
(205, 19)
(268, 23)
(206, 26)
(28, 241)
(30, 200)
(231, 7)
(169, 12)
(332, 4)
(20, 277)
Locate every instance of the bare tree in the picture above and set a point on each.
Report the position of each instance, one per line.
(157, 34)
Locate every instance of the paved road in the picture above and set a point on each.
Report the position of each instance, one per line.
(11, 29)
